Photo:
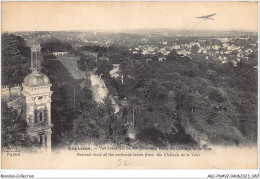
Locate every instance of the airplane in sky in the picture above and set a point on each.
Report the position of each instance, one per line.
(207, 17)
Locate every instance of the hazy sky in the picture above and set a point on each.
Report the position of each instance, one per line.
(54, 16)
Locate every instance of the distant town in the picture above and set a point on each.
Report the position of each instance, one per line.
(222, 46)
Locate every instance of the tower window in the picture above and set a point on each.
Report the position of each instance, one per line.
(34, 65)
(38, 59)
(35, 117)
(41, 139)
(41, 118)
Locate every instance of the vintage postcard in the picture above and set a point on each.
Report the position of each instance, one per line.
(129, 85)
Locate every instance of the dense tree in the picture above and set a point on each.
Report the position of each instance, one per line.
(97, 124)
(81, 63)
(85, 63)
(13, 129)
(194, 49)
(15, 59)
(195, 96)
(104, 67)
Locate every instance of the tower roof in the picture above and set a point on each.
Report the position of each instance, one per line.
(35, 46)
(35, 79)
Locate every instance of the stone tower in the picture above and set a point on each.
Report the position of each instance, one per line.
(36, 89)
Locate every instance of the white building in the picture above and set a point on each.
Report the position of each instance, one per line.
(59, 53)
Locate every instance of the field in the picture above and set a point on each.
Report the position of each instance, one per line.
(69, 81)
(70, 63)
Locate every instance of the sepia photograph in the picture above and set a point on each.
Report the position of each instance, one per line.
(129, 85)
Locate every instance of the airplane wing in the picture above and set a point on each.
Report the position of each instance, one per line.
(209, 15)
